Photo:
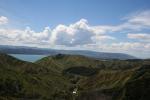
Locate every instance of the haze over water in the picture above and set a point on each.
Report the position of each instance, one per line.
(30, 58)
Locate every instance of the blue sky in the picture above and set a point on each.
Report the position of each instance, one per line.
(100, 25)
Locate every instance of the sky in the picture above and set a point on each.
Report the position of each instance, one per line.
(121, 26)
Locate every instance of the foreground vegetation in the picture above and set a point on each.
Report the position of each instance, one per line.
(56, 77)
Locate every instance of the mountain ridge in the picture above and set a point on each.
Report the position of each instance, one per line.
(45, 51)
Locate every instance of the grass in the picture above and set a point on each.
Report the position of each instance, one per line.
(55, 77)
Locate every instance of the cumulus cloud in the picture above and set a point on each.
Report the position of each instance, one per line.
(79, 33)
(26, 36)
(3, 20)
(133, 22)
(83, 35)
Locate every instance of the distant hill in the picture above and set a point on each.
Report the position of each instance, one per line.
(43, 51)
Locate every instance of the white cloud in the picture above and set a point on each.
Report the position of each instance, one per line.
(122, 46)
(24, 37)
(102, 38)
(3, 20)
(134, 22)
(79, 33)
(127, 46)
(140, 18)
(137, 49)
(83, 35)
(139, 36)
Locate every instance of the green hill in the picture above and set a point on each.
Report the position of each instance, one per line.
(24, 80)
(101, 79)
(56, 77)
(131, 84)
(60, 62)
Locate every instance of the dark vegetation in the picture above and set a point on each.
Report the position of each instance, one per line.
(81, 70)
(55, 78)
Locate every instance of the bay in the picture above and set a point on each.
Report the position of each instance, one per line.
(27, 57)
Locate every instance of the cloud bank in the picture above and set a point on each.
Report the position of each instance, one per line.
(145, 37)
(78, 33)
(83, 35)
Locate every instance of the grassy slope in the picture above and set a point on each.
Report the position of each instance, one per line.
(44, 79)
(60, 62)
(138, 87)
(109, 83)
(130, 84)
(19, 79)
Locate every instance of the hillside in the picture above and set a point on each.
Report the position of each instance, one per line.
(56, 77)
(101, 79)
(24, 80)
(61, 62)
(117, 85)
